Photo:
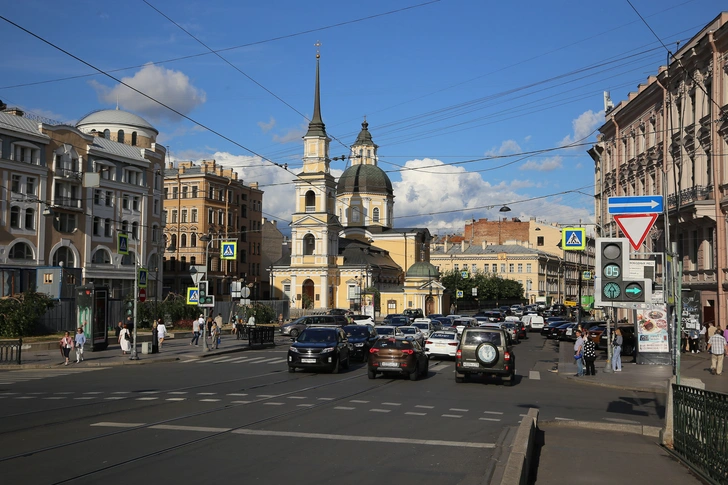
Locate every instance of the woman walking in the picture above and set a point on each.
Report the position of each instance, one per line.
(215, 334)
(79, 342)
(161, 333)
(66, 346)
(617, 342)
(590, 356)
(125, 340)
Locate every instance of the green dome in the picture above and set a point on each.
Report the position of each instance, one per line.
(368, 179)
(423, 270)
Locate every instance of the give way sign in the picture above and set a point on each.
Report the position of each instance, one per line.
(635, 227)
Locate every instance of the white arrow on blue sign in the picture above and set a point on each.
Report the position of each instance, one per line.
(639, 204)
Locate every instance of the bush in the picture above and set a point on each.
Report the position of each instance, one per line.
(19, 316)
(262, 313)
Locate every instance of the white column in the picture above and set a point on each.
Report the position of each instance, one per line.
(294, 292)
(324, 291)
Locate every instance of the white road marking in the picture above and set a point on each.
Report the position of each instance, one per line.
(451, 416)
(207, 361)
(344, 408)
(391, 404)
(424, 407)
(60, 393)
(534, 374)
(209, 400)
(277, 361)
(94, 392)
(176, 398)
(225, 360)
(237, 394)
(326, 399)
(206, 393)
(359, 402)
(109, 424)
(238, 359)
(375, 410)
(373, 439)
(296, 397)
(273, 403)
(494, 412)
(241, 402)
(84, 398)
(147, 398)
(177, 392)
(255, 359)
(304, 405)
(563, 419)
(415, 414)
(55, 397)
(489, 419)
(149, 392)
(6, 383)
(114, 398)
(188, 361)
(202, 429)
(459, 410)
(115, 392)
(267, 395)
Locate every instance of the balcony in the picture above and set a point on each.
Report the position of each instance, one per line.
(310, 208)
(687, 196)
(67, 202)
(68, 174)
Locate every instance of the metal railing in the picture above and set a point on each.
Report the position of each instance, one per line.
(261, 336)
(68, 202)
(10, 351)
(692, 194)
(700, 423)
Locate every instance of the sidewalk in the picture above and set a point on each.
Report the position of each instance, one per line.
(173, 349)
(649, 378)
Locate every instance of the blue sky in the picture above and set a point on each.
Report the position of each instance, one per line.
(462, 96)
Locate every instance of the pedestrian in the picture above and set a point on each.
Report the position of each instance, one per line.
(694, 335)
(251, 321)
(617, 342)
(66, 345)
(703, 339)
(197, 326)
(215, 335)
(590, 355)
(578, 354)
(718, 348)
(218, 320)
(118, 329)
(233, 326)
(79, 342)
(280, 319)
(161, 333)
(208, 330)
(125, 340)
(155, 338)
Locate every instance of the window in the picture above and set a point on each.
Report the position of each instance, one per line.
(309, 244)
(183, 241)
(194, 191)
(133, 138)
(457, 267)
(193, 260)
(101, 257)
(97, 226)
(120, 136)
(539, 241)
(475, 268)
(29, 219)
(355, 214)
(15, 184)
(175, 192)
(64, 255)
(310, 201)
(174, 216)
(128, 259)
(193, 215)
(20, 250)
(210, 216)
(97, 197)
(26, 153)
(30, 186)
(107, 227)
(156, 206)
(107, 134)
(184, 216)
(135, 204)
(528, 267)
(124, 227)
(64, 222)
(15, 217)
(211, 193)
(109, 198)
(133, 177)
(135, 230)
(503, 268)
(125, 202)
(375, 215)
(485, 268)
(220, 219)
(193, 240)
(520, 268)
(155, 233)
(495, 268)
(104, 171)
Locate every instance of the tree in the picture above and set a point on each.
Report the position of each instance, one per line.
(19, 316)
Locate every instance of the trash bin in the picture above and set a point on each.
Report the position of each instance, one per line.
(146, 347)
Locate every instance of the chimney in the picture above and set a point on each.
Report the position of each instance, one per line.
(483, 243)
(446, 244)
(275, 223)
(14, 111)
(254, 185)
(462, 246)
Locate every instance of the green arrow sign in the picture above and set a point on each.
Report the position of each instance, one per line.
(635, 290)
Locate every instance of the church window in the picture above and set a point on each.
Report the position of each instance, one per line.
(309, 244)
(375, 214)
(133, 138)
(355, 212)
(107, 134)
(120, 136)
(310, 201)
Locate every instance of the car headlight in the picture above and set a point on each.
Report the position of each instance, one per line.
(293, 349)
(361, 344)
(328, 349)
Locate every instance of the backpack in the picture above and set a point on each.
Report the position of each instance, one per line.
(127, 336)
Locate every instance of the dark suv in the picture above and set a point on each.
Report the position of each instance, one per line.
(485, 351)
(361, 338)
(297, 326)
(413, 313)
(319, 347)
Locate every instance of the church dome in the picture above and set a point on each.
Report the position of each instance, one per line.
(423, 269)
(115, 117)
(368, 179)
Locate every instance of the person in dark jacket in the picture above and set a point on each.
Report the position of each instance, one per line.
(590, 355)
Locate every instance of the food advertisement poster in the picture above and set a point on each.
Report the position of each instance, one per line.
(652, 330)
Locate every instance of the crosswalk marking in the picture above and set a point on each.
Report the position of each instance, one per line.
(26, 375)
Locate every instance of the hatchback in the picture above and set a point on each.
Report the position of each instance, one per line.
(397, 356)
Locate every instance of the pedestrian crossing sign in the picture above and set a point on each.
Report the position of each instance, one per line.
(142, 278)
(193, 295)
(573, 239)
(229, 250)
(122, 243)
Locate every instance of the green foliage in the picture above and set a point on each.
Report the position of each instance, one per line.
(173, 309)
(262, 313)
(306, 301)
(491, 287)
(19, 316)
(377, 296)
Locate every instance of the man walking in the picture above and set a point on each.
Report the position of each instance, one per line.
(718, 347)
(578, 354)
(196, 326)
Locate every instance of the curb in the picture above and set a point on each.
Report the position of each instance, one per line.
(625, 387)
(91, 363)
(518, 461)
(651, 431)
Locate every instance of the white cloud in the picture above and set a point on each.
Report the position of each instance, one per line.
(295, 134)
(583, 126)
(508, 146)
(172, 88)
(546, 165)
(266, 127)
(178, 132)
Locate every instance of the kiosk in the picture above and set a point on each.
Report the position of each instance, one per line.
(92, 304)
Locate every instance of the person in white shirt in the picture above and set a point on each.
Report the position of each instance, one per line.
(251, 321)
(197, 325)
(161, 333)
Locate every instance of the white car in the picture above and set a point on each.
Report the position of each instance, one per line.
(388, 331)
(464, 322)
(533, 322)
(443, 343)
(425, 326)
(412, 331)
(362, 320)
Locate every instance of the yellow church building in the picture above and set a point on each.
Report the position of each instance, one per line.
(344, 246)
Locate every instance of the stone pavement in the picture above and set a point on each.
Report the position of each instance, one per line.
(175, 347)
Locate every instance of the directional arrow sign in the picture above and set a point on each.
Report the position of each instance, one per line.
(635, 227)
(640, 204)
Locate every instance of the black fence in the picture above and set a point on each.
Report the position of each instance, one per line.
(10, 351)
(700, 434)
(261, 336)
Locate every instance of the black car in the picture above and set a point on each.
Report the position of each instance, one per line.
(568, 333)
(398, 321)
(413, 313)
(548, 327)
(319, 347)
(361, 338)
(388, 319)
(442, 323)
(494, 316)
(558, 331)
(628, 340)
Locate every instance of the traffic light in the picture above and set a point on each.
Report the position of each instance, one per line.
(613, 284)
(205, 297)
(129, 308)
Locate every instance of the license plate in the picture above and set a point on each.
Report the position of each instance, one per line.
(470, 364)
(308, 361)
(389, 364)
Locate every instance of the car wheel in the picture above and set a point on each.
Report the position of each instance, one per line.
(372, 374)
(294, 333)
(335, 368)
(291, 369)
(486, 353)
(459, 378)
(416, 374)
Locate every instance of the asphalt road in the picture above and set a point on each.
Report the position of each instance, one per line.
(243, 416)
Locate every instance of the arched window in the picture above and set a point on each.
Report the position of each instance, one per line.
(128, 259)
(193, 260)
(15, 217)
(120, 136)
(355, 214)
(183, 241)
(64, 255)
(174, 240)
(133, 138)
(21, 250)
(193, 240)
(107, 134)
(309, 244)
(183, 263)
(101, 256)
(135, 230)
(310, 201)
(375, 215)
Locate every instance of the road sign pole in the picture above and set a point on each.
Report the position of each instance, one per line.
(134, 355)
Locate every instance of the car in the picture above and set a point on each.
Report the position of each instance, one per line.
(505, 310)
(494, 316)
(443, 343)
(532, 322)
(485, 351)
(361, 338)
(413, 313)
(388, 319)
(443, 323)
(321, 347)
(517, 310)
(412, 332)
(387, 331)
(399, 321)
(425, 326)
(294, 328)
(558, 330)
(464, 322)
(398, 355)
(549, 326)
(522, 332)
(512, 330)
(628, 340)
(362, 320)
(432, 316)
(595, 330)
(339, 311)
(568, 333)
